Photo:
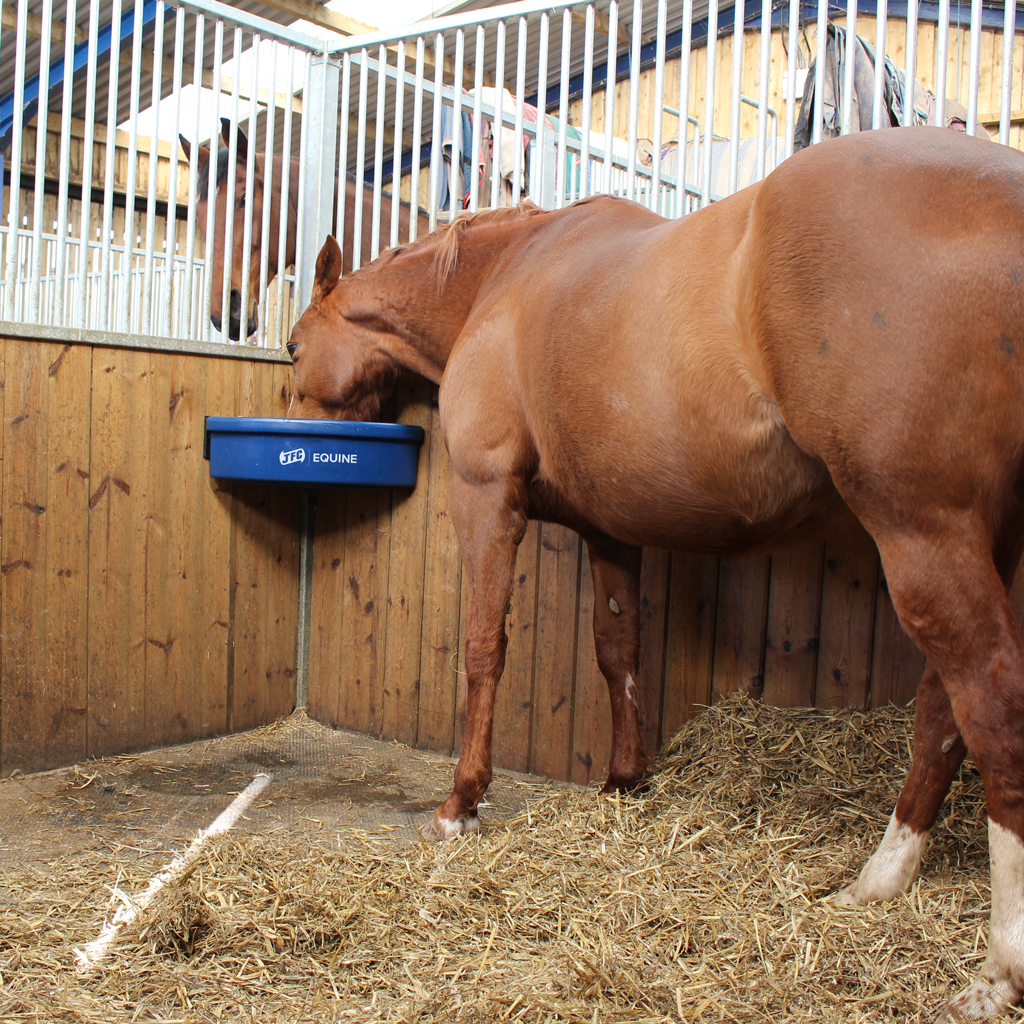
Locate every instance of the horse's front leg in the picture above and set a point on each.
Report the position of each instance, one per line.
(616, 571)
(489, 525)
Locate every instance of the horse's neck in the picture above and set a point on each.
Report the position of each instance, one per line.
(424, 308)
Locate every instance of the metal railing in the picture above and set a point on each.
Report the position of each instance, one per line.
(104, 227)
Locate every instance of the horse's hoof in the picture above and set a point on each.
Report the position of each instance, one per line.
(981, 1000)
(445, 827)
(851, 896)
(624, 784)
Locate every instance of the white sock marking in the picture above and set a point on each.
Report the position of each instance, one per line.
(891, 868)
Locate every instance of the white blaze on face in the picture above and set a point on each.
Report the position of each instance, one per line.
(892, 867)
(1001, 981)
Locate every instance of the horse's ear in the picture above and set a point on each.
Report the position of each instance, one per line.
(328, 270)
(186, 146)
(202, 153)
(225, 134)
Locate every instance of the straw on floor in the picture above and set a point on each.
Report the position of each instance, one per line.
(706, 898)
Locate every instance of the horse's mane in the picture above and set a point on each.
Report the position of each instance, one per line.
(448, 237)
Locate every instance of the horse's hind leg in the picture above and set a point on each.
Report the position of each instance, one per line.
(953, 603)
(616, 571)
(938, 752)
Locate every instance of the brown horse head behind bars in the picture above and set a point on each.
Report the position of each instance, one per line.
(850, 330)
(251, 206)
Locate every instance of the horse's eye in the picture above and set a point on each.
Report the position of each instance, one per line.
(241, 203)
(292, 346)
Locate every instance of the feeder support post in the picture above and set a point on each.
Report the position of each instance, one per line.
(320, 117)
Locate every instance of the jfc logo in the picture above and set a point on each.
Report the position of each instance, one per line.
(297, 455)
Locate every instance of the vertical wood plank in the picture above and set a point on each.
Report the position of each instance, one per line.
(44, 555)
(740, 631)
(690, 647)
(896, 664)
(118, 712)
(791, 642)
(325, 646)
(847, 619)
(404, 623)
(442, 580)
(555, 658)
(654, 609)
(591, 738)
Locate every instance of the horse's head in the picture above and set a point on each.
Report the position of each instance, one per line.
(341, 364)
(217, 188)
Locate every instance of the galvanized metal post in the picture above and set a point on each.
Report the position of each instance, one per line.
(320, 137)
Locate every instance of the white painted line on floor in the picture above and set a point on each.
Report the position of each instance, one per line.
(89, 958)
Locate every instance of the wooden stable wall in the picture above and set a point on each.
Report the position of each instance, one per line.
(141, 602)
(809, 626)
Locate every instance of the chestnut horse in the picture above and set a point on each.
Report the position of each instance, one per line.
(255, 203)
(848, 332)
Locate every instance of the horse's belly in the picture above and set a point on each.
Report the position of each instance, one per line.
(731, 493)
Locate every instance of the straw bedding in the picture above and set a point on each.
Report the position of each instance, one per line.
(707, 898)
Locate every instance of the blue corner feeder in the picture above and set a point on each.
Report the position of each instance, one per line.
(312, 453)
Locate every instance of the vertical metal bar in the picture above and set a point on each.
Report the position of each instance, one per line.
(85, 221)
(879, 95)
(357, 208)
(344, 128)
(128, 235)
(611, 63)
(154, 159)
(211, 204)
(435, 137)
(171, 227)
(262, 306)
(540, 149)
(320, 115)
(35, 280)
(517, 134)
(108, 180)
(67, 98)
(498, 126)
(762, 89)
(417, 138)
(17, 128)
(1006, 98)
(308, 177)
(230, 199)
(478, 84)
(189, 328)
(942, 63)
(632, 129)
(378, 150)
(684, 106)
(250, 185)
(286, 200)
(794, 26)
(737, 93)
(588, 100)
(975, 66)
(911, 71)
(709, 99)
(821, 46)
(456, 190)
(396, 151)
(563, 157)
(850, 67)
(659, 106)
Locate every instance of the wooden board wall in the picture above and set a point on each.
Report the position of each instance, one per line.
(141, 602)
(808, 626)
